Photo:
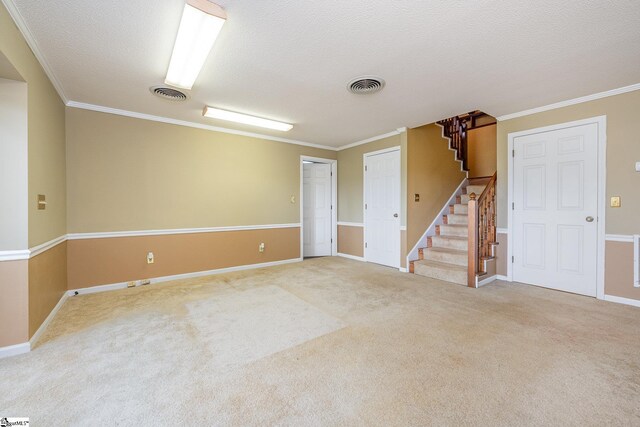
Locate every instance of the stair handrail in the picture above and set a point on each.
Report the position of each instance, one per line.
(482, 230)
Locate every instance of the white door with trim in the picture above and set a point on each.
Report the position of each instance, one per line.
(555, 195)
(316, 209)
(382, 208)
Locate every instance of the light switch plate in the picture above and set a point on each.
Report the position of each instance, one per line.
(615, 201)
(637, 166)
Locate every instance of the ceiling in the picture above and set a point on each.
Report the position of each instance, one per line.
(290, 60)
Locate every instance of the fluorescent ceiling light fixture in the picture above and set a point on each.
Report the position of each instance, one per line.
(200, 25)
(230, 116)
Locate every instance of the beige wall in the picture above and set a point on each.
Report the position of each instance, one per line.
(14, 302)
(28, 289)
(103, 261)
(432, 172)
(47, 284)
(132, 174)
(623, 150)
(618, 271)
(351, 180)
(46, 136)
(481, 151)
(351, 240)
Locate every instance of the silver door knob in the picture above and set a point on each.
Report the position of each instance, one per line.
(395, 215)
(589, 219)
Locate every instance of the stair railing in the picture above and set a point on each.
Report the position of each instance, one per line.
(455, 128)
(482, 230)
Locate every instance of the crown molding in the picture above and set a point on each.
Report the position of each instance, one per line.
(373, 138)
(143, 116)
(569, 102)
(31, 42)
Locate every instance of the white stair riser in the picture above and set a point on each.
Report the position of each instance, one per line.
(446, 242)
(450, 258)
(457, 220)
(464, 199)
(454, 230)
(460, 209)
(441, 273)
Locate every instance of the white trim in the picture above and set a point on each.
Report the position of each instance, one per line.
(351, 224)
(397, 148)
(403, 270)
(502, 277)
(14, 350)
(31, 42)
(373, 138)
(601, 122)
(37, 250)
(636, 260)
(353, 257)
(334, 202)
(486, 281)
(502, 230)
(621, 300)
(412, 255)
(143, 116)
(110, 234)
(14, 255)
(627, 238)
(403, 228)
(569, 102)
(48, 320)
(161, 279)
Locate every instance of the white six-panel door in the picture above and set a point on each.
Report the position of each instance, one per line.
(317, 209)
(382, 208)
(555, 206)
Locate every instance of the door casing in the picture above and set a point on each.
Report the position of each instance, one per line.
(334, 202)
(364, 197)
(601, 122)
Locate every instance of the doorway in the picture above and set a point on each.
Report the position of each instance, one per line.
(318, 207)
(557, 207)
(382, 207)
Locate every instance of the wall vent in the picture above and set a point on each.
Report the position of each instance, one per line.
(168, 93)
(365, 85)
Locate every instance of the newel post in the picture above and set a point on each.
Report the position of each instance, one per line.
(472, 215)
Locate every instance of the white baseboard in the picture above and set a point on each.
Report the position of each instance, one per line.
(402, 270)
(487, 280)
(502, 277)
(621, 300)
(48, 320)
(14, 350)
(353, 257)
(161, 279)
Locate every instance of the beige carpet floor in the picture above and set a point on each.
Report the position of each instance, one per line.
(330, 342)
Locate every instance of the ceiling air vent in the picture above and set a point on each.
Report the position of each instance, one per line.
(171, 94)
(365, 85)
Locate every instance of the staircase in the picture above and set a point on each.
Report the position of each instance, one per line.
(446, 255)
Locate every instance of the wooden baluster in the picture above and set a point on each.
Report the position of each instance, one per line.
(472, 255)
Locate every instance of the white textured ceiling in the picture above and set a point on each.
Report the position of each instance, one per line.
(290, 60)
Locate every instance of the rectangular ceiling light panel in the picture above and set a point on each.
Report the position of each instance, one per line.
(216, 113)
(199, 27)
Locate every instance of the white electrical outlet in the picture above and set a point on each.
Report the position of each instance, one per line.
(145, 282)
(150, 259)
(131, 284)
(261, 247)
